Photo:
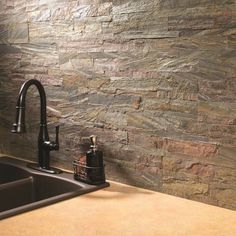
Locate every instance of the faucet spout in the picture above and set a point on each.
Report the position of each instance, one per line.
(44, 145)
(19, 126)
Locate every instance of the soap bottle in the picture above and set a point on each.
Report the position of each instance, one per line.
(94, 162)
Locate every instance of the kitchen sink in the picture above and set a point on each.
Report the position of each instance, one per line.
(23, 189)
(9, 172)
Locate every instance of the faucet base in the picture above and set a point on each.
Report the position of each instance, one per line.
(52, 170)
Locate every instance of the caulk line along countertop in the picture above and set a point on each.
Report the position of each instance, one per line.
(122, 210)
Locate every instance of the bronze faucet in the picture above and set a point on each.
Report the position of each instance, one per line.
(44, 144)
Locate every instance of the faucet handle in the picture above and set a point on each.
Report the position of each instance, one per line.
(57, 134)
(57, 138)
(51, 145)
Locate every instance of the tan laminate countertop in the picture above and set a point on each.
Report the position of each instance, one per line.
(122, 210)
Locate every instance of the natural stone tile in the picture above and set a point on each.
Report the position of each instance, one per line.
(41, 15)
(49, 80)
(14, 17)
(119, 172)
(49, 33)
(17, 33)
(175, 4)
(185, 167)
(65, 11)
(81, 11)
(164, 105)
(225, 195)
(132, 7)
(186, 189)
(192, 148)
(102, 9)
(226, 156)
(225, 175)
(113, 119)
(125, 84)
(9, 51)
(158, 35)
(217, 90)
(114, 100)
(190, 22)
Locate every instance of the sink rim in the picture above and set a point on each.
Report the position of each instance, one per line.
(83, 188)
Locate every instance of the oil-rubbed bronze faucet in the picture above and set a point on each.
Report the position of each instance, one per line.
(44, 144)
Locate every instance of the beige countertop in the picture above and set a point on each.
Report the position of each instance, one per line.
(122, 210)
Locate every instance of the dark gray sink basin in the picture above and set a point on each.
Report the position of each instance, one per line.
(10, 172)
(23, 189)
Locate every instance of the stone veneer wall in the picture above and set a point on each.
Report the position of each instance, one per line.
(155, 80)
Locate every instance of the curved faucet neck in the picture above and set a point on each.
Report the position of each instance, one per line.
(22, 96)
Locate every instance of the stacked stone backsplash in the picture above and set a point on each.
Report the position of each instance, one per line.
(155, 80)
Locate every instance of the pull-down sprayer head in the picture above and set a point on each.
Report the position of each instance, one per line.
(19, 126)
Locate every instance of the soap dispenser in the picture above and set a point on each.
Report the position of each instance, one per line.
(90, 168)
